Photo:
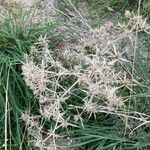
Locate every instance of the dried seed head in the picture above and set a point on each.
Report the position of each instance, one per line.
(127, 14)
(29, 120)
(34, 76)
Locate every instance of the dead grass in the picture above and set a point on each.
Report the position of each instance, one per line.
(94, 74)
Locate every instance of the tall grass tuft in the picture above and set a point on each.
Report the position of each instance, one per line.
(15, 41)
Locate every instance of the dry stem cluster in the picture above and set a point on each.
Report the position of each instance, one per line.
(91, 69)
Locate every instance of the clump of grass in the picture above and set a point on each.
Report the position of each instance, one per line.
(91, 70)
(16, 37)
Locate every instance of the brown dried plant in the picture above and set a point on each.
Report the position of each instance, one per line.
(91, 67)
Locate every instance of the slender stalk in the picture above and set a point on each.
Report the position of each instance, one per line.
(6, 109)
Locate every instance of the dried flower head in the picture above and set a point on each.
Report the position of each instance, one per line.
(34, 76)
(127, 14)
